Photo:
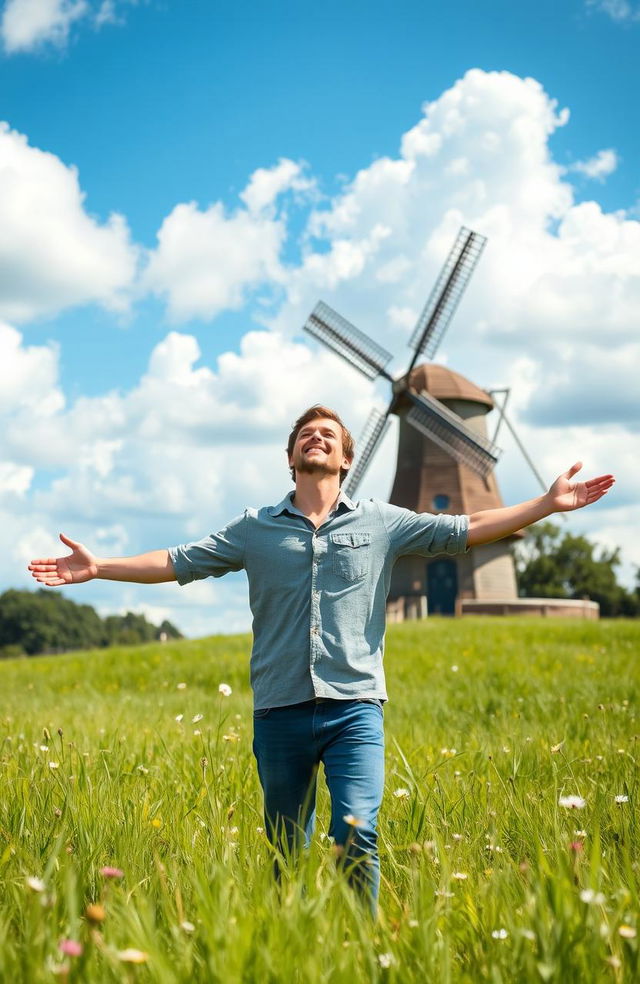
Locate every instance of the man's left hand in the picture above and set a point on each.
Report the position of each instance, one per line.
(566, 495)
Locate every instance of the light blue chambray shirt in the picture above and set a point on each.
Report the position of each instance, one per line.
(318, 596)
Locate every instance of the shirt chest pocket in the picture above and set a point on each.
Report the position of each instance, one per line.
(351, 555)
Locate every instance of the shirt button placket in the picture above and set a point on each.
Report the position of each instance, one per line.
(315, 604)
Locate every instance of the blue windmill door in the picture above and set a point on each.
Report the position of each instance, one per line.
(442, 586)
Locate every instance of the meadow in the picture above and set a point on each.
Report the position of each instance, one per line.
(131, 832)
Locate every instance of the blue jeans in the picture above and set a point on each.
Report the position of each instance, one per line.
(347, 737)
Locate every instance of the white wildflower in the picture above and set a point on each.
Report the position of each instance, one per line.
(401, 793)
(54, 765)
(130, 955)
(627, 932)
(385, 960)
(622, 799)
(179, 717)
(181, 686)
(591, 897)
(454, 668)
(572, 802)
(460, 875)
(36, 884)
(187, 926)
(196, 718)
(225, 690)
(499, 934)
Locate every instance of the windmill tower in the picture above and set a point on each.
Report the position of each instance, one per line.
(445, 458)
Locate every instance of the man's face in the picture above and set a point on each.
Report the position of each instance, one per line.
(318, 448)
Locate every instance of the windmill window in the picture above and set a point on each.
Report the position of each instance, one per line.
(441, 501)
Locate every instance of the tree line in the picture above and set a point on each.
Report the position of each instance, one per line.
(35, 622)
(551, 563)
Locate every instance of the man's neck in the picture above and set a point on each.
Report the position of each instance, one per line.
(316, 495)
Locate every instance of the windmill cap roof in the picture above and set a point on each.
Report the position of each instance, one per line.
(445, 384)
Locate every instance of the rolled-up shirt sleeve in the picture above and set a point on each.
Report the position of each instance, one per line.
(214, 555)
(425, 534)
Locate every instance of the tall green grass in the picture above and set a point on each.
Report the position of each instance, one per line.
(486, 877)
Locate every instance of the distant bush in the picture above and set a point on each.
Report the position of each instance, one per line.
(552, 563)
(46, 622)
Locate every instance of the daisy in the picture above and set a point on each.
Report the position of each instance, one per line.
(572, 802)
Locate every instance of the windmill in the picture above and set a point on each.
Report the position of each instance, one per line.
(445, 458)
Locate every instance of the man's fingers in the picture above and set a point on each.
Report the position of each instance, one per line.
(45, 564)
(606, 481)
(69, 542)
(50, 579)
(572, 471)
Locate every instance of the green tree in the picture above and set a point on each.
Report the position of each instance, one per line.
(554, 564)
(47, 622)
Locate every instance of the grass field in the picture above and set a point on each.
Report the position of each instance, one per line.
(486, 876)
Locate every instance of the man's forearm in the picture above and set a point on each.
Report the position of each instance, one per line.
(154, 567)
(494, 524)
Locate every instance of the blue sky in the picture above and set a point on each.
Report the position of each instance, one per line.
(159, 105)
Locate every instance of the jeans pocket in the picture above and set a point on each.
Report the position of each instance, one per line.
(259, 715)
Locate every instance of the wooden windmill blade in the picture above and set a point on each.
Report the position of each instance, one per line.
(446, 293)
(374, 430)
(433, 419)
(346, 340)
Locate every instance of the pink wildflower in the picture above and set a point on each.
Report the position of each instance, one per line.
(71, 947)
(109, 872)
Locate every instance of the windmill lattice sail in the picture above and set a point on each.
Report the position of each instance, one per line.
(433, 419)
(374, 430)
(344, 338)
(446, 293)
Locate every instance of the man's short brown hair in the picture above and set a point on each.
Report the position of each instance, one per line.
(314, 413)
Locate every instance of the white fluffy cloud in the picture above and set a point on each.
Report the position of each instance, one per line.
(598, 167)
(208, 260)
(53, 254)
(268, 183)
(29, 25)
(618, 10)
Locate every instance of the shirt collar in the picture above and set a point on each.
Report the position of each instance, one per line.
(286, 505)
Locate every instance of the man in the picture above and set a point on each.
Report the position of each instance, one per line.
(319, 569)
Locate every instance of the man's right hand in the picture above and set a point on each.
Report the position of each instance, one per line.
(80, 565)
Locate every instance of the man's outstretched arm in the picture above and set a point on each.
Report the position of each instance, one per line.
(81, 565)
(563, 496)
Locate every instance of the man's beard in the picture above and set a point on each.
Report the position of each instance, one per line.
(308, 466)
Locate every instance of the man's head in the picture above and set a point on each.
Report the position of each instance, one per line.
(320, 443)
